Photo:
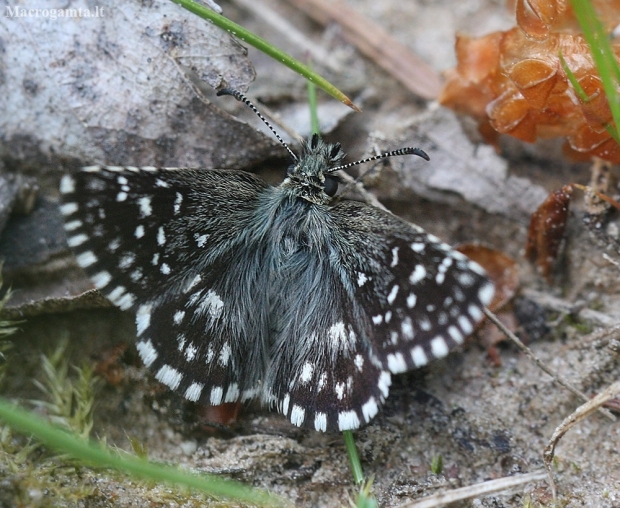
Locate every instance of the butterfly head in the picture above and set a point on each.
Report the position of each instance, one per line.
(310, 177)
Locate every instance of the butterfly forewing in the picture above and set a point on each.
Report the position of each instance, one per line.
(425, 304)
(144, 234)
(153, 241)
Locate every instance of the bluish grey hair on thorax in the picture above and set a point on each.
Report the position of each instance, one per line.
(310, 177)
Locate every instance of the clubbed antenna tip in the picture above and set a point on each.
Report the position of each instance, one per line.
(401, 151)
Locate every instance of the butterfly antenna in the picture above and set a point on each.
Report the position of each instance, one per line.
(402, 151)
(242, 98)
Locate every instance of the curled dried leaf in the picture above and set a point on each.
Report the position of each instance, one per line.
(547, 230)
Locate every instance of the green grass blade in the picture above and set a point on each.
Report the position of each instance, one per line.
(356, 466)
(604, 58)
(64, 442)
(315, 126)
(262, 45)
(583, 96)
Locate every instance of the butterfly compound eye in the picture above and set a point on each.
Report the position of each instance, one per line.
(331, 185)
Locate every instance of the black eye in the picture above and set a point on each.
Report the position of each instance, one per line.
(331, 185)
(335, 150)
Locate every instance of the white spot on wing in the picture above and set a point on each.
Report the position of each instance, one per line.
(424, 324)
(178, 317)
(136, 275)
(232, 394)
(76, 240)
(418, 247)
(145, 206)
(101, 279)
(320, 422)
(306, 373)
(417, 275)
(143, 317)
(485, 293)
(85, 259)
(285, 403)
(475, 312)
(211, 304)
(73, 225)
(455, 335)
(147, 352)
(419, 356)
(396, 363)
(161, 236)
(164, 268)
(194, 391)
(190, 352)
(407, 328)
(359, 362)
(339, 388)
(394, 257)
(67, 184)
(68, 208)
(377, 319)
(411, 300)
(216, 395)
(224, 355)
(370, 409)
(139, 233)
(125, 300)
(348, 420)
(126, 260)
(193, 283)
(338, 337)
(385, 380)
(121, 196)
(465, 279)
(298, 415)
(392, 296)
(201, 240)
(465, 325)
(169, 376)
(361, 279)
(439, 347)
(177, 203)
(475, 267)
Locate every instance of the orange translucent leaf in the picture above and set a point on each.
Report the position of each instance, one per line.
(514, 83)
(534, 79)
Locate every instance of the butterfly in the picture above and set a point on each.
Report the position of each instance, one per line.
(290, 295)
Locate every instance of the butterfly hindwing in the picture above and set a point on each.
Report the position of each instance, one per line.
(322, 373)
